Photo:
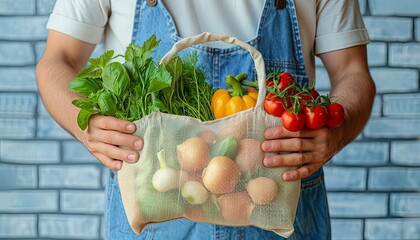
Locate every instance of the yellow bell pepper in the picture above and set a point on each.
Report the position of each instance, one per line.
(227, 102)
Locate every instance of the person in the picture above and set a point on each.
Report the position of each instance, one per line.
(288, 33)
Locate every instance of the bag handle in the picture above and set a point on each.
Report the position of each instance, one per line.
(210, 37)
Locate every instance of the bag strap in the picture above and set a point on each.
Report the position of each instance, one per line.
(210, 37)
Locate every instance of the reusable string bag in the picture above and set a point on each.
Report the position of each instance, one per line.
(210, 171)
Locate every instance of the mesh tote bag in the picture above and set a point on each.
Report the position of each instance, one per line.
(208, 171)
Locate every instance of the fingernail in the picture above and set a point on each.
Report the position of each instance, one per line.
(130, 127)
(287, 177)
(138, 144)
(266, 146)
(131, 157)
(117, 166)
(268, 134)
(268, 162)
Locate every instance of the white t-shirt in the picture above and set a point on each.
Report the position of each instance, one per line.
(325, 25)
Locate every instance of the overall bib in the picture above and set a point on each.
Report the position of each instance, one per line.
(278, 40)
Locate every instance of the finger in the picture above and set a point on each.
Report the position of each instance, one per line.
(116, 138)
(108, 162)
(301, 172)
(116, 153)
(288, 159)
(281, 132)
(288, 145)
(112, 123)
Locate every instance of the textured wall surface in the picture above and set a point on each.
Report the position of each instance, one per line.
(52, 188)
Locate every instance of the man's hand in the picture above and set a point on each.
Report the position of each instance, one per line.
(311, 149)
(111, 141)
(307, 149)
(108, 139)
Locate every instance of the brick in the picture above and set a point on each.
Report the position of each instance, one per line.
(68, 226)
(404, 54)
(23, 28)
(18, 104)
(402, 105)
(343, 229)
(405, 204)
(83, 202)
(28, 201)
(396, 8)
(18, 79)
(105, 176)
(389, 28)
(18, 176)
(392, 128)
(39, 50)
(35, 151)
(48, 128)
(397, 228)
(69, 176)
(17, 128)
(377, 52)
(45, 7)
(394, 178)
(18, 226)
(42, 111)
(358, 205)
(417, 29)
(345, 178)
(322, 82)
(362, 6)
(385, 80)
(102, 228)
(21, 7)
(363, 153)
(16, 54)
(377, 107)
(76, 152)
(405, 153)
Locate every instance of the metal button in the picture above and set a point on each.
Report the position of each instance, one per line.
(280, 4)
(112, 175)
(152, 2)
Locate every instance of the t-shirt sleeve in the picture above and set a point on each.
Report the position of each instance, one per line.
(81, 19)
(339, 25)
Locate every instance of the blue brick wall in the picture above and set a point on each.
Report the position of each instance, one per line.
(52, 188)
(373, 183)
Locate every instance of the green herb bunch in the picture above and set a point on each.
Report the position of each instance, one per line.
(140, 86)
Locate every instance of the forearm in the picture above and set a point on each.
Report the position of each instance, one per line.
(53, 75)
(355, 91)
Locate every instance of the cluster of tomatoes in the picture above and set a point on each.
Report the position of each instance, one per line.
(300, 107)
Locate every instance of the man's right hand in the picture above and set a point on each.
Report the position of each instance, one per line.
(111, 141)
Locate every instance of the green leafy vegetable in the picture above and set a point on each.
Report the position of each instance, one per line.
(115, 78)
(139, 86)
(107, 103)
(85, 86)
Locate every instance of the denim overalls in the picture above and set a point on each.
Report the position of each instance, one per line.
(278, 40)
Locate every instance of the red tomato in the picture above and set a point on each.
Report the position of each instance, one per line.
(293, 122)
(335, 115)
(315, 118)
(285, 80)
(275, 105)
(306, 97)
